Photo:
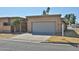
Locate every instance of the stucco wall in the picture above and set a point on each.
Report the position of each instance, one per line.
(10, 20)
(57, 19)
(4, 28)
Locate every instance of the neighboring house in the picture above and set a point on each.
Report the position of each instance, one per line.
(75, 25)
(44, 24)
(6, 24)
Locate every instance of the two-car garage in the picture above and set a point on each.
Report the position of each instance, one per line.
(44, 28)
(44, 25)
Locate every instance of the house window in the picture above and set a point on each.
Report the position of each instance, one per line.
(6, 24)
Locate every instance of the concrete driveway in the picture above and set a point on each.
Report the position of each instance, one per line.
(31, 38)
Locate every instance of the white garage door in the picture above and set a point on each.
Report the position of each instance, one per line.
(44, 28)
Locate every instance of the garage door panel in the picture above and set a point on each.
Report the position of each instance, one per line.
(43, 28)
(43, 33)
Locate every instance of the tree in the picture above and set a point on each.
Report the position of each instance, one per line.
(70, 19)
(67, 19)
(73, 17)
(16, 23)
(46, 12)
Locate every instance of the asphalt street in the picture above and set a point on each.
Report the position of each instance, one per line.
(9, 45)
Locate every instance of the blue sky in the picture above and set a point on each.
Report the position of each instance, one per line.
(26, 11)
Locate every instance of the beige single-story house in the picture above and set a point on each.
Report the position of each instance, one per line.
(44, 24)
(6, 24)
(40, 24)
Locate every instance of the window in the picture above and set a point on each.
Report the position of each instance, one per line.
(6, 24)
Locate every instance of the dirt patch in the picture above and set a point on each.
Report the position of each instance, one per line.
(63, 39)
(5, 36)
(77, 31)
